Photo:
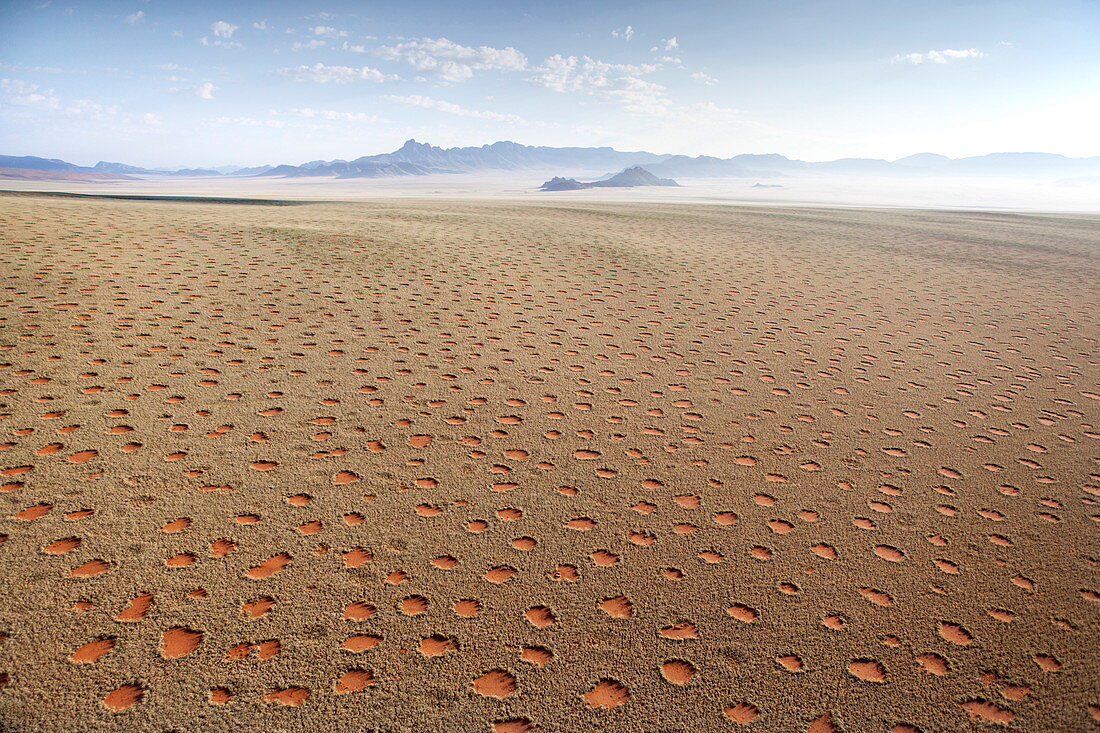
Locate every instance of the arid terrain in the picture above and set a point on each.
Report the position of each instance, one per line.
(1020, 196)
(553, 465)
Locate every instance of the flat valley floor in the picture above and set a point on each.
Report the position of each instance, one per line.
(461, 466)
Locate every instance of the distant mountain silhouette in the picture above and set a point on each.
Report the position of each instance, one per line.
(30, 162)
(32, 168)
(254, 171)
(1008, 165)
(1005, 164)
(359, 168)
(628, 178)
(924, 160)
(39, 174)
(416, 158)
(105, 167)
(105, 170)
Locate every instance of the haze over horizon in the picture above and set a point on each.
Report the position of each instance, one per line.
(198, 84)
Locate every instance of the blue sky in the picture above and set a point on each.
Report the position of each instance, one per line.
(166, 82)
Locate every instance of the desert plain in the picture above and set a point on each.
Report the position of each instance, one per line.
(546, 465)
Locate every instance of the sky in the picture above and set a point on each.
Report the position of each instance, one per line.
(196, 83)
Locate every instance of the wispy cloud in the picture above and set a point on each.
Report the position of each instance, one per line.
(327, 30)
(626, 33)
(36, 69)
(306, 45)
(202, 91)
(219, 42)
(246, 122)
(624, 85)
(705, 78)
(135, 18)
(620, 83)
(451, 61)
(19, 93)
(27, 94)
(417, 100)
(938, 57)
(329, 114)
(336, 74)
(91, 110)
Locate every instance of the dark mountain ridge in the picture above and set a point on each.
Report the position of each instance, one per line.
(627, 178)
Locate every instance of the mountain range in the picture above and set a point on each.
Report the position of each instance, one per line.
(102, 169)
(416, 158)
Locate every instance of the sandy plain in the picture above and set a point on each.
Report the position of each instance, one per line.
(1080, 195)
(419, 465)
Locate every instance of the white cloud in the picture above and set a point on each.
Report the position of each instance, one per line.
(18, 93)
(135, 18)
(171, 67)
(417, 100)
(219, 42)
(223, 33)
(328, 114)
(205, 90)
(451, 61)
(261, 25)
(623, 85)
(246, 122)
(88, 109)
(670, 43)
(26, 94)
(326, 30)
(337, 74)
(584, 74)
(150, 119)
(938, 57)
(312, 43)
(35, 69)
(705, 78)
(638, 95)
(354, 48)
(221, 29)
(626, 33)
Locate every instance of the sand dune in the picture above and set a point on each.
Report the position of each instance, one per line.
(516, 466)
